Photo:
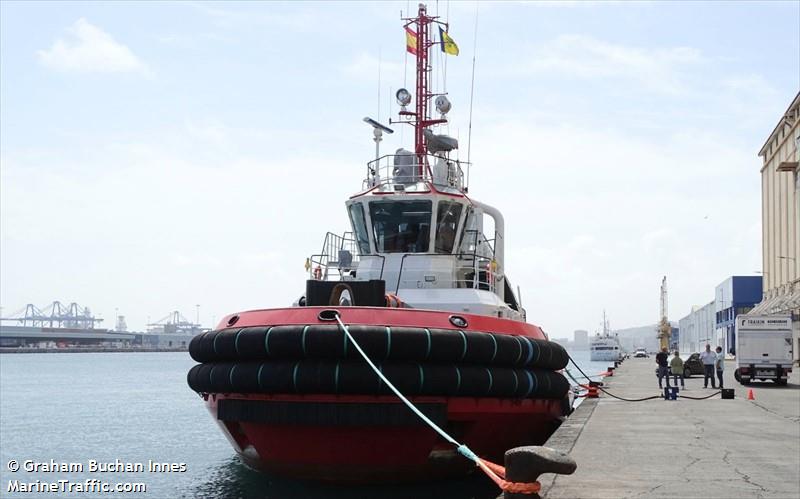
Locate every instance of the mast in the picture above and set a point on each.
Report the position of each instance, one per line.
(421, 119)
(422, 84)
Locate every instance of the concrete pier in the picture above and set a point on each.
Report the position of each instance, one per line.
(710, 448)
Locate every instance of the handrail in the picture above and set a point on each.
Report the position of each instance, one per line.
(335, 242)
(332, 244)
(382, 172)
(475, 281)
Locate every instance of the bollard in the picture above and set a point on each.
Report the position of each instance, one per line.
(525, 464)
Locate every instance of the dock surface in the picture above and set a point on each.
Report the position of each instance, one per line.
(683, 449)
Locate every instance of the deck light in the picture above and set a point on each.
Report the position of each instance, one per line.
(403, 97)
(443, 104)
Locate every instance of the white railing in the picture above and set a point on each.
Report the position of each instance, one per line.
(338, 257)
(443, 173)
(469, 271)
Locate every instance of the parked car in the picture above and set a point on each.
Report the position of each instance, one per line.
(640, 352)
(692, 365)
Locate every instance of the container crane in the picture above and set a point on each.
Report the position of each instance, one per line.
(664, 327)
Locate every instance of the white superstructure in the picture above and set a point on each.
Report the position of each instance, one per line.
(605, 345)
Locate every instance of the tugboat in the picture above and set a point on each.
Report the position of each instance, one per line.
(423, 290)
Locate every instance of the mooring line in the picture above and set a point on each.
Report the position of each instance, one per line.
(492, 470)
(623, 398)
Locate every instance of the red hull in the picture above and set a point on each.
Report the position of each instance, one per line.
(381, 452)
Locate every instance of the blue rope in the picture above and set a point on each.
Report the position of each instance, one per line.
(230, 374)
(260, 368)
(428, 349)
(462, 449)
(266, 341)
(236, 341)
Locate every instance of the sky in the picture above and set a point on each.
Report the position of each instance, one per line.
(156, 156)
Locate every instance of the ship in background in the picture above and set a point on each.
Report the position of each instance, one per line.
(605, 345)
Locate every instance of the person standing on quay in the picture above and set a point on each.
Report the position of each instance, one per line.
(709, 358)
(663, 370)
(720, 365)
(676, 365)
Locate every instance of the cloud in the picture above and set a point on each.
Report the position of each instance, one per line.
(586, 57)
(87, 48)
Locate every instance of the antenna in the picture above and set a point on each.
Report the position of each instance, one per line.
(472, 85)
(379, 83)
(377, 132)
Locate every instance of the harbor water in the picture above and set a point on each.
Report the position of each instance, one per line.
(136, 408)
(590, 367)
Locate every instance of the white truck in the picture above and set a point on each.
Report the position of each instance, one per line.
(763, 348)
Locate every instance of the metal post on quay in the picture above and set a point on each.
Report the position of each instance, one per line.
(526, 464)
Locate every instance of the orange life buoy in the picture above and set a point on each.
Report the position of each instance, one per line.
(318, 272)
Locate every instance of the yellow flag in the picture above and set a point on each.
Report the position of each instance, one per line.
(448, 45)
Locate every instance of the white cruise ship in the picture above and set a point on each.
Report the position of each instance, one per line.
(605, 346)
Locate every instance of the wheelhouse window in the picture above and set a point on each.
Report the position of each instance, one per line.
(447, 217)
(359, 227)
(401, 226)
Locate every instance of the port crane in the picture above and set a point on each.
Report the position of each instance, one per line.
(664, 327)
(55, 315)
(175, 322)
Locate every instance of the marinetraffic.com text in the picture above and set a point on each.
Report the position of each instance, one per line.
(23, 484)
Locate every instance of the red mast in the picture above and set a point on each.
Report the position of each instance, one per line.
(422, 121)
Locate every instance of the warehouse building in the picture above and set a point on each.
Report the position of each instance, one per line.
(780, 216)
(697, 329)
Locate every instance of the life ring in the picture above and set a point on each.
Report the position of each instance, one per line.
(318, 273)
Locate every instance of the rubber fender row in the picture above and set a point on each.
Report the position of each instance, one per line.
(346, 377)
(380, 343)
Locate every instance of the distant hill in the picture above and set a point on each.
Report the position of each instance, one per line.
(640, 337)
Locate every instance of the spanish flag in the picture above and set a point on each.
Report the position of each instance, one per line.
(448, 45)
(411, 41)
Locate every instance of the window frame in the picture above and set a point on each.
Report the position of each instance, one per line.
(459, 216)
(350, 209)
(381, 248)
